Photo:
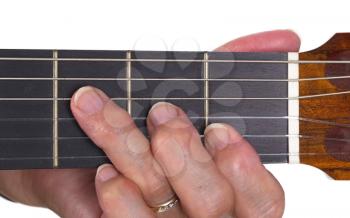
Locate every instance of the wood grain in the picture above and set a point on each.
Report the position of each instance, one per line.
(330, 155)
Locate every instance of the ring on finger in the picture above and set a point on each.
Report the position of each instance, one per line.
(167, 205)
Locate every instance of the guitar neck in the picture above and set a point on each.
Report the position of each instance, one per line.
(251, 91)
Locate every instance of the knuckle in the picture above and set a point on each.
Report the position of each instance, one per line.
(214, 208)
(216, 203)
(272, 208)
(106, 197)
(115, 117)
(95, 127)
(107, 137)
(113, 194)
(177, 128)
(177, 124)
(157, 193)
(122, 132)
(162, 135)
(137, 144)
(236, 163)
(239, 164)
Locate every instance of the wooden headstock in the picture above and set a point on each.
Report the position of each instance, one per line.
(327, 142)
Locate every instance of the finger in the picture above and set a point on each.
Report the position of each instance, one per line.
(176, 145)
(257, 192)
(118, 196)
(113, 130)
(271, 41)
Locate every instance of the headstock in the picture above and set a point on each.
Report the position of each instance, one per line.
(326, 144)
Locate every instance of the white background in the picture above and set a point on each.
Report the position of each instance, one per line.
(182, 25)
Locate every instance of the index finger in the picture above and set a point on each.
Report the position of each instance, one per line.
(113, 130)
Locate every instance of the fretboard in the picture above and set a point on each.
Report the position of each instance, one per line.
(37, 130)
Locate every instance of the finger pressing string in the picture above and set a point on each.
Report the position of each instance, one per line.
(112, 129)
(240, 164)
(177, 147)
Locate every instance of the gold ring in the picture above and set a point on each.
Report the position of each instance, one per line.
(167, 205)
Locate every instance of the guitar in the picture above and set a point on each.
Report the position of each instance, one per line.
(292, 107)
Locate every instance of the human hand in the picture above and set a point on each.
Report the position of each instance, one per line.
(223, 179)
(250, 190)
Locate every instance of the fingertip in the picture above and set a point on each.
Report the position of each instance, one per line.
(219, 135)
(88, 100)
(214, 126)
(162, 112)
(106, 172)
(226, 144)
(216, 137)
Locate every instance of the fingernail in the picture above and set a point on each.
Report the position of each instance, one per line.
(216, 137)
(106, 172)
(162, 112)
(87, 100)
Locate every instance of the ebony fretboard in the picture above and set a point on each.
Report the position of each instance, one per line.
(36, 85)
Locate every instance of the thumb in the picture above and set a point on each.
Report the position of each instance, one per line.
(271, 41)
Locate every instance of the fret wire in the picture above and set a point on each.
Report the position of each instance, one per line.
(55, 110)
(128, 77)
(178, 60)
(206, 88)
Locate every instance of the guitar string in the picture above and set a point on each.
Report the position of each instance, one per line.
(175, 60)
(104, 156)
(201, 136)
(318, 95)
(180, 79)
(185, 98)
(217, 61)
(241, 61)
(303, 119)
(80, 79)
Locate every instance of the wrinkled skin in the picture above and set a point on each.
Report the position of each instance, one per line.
(242, 186)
